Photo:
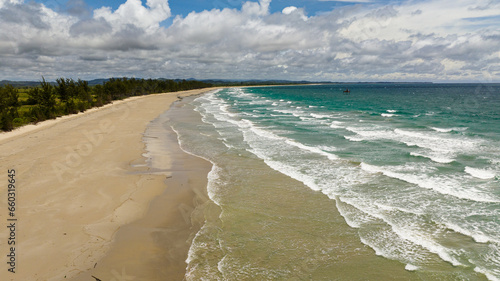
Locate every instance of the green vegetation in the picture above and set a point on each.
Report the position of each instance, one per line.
(20, 106)
(9, 104)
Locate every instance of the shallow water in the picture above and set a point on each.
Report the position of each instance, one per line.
(390, 182)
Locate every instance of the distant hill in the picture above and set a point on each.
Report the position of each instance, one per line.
(19, 84)
(257, 82)
(97, 82)
(217, 82)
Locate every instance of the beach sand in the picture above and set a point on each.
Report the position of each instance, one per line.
(88, 205)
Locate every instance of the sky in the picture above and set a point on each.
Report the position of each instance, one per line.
(315, 40)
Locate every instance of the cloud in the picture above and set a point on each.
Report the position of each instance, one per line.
(7, 2)
(289, 10)
(30, 15)
(410, 41)
(77, 8)
(133, 12)
(93, 58)
(416, 12)
(259, 9)
(91, 27)
(292, 10)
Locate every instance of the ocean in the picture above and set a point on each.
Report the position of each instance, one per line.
(388, 182)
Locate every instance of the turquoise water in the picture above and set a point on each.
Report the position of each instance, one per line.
(400, 179)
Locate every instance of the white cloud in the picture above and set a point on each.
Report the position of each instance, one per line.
(400, 22)
(289, 10)
(133, 12)
(4, 2)
(408, 41)
(292, 10)
(258, 9)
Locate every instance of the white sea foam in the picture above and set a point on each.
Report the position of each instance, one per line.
(387, 115)
(428, 243)
(312, 149)
(225, 109)
(320, 116)
(370, 168)
(353, 138)
(480, 174)
(388, 244)
(491, 276)
(446, 130)
(442, 130)
(192, 250)
(447, 185)
(284, 111)
(411, 267)
(354, 217)
(212, 176)
(261, 132)
(442, 147)
(434, 157)
(477, 235)
(336, 124)
(372, 133)
(392, 111)
(288, 170)
(327, 148)
(401, 240)
(306, 118)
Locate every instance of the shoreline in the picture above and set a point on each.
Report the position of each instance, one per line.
(80, 180)
(155, 247)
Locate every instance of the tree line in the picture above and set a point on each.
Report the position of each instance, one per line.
(68, 96)
(9, 104)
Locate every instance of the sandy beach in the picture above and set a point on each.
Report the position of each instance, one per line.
(87, 202)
